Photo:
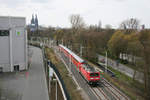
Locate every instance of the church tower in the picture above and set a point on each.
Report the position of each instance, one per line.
(32, 20)
(36, 22)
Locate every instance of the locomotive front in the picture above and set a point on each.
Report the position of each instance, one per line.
(93, 76)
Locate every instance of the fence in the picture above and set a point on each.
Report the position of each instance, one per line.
(48, 63)
(60, 79)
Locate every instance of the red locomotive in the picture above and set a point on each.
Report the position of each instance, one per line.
(89, 73)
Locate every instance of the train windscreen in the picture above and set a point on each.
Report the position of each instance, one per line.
(94, 74)
(88, 67)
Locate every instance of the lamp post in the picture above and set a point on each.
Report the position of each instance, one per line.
(106, 62)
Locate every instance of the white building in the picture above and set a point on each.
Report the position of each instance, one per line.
(13, 44)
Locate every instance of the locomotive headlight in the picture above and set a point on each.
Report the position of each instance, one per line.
(91, 78)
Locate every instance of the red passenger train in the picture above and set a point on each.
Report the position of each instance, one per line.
(89, 73)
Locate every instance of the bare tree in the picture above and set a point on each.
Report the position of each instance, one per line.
(131, 24)
(77, 22)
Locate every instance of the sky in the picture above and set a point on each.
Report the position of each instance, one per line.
(56, 12)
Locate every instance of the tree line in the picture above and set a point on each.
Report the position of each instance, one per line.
(88, 41)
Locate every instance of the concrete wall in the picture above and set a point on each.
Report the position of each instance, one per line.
(13, 48)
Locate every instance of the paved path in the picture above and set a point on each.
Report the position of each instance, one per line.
(25, 85)
(36, 87)
(123, 68)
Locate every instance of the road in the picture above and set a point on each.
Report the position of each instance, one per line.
(26, 85)
(124, 69)
(36, 87)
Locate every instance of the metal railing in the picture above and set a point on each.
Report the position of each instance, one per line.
(60, 80)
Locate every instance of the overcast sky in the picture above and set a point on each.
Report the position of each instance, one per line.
(57, 12)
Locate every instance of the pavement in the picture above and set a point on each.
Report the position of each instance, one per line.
(124, 69)
(26, 85)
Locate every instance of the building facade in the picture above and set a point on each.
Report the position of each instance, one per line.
(13, 44)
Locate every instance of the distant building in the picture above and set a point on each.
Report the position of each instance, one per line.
(13, 44)
(34, 23)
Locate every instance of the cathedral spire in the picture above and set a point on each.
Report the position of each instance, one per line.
(36, 21)
(32, 20)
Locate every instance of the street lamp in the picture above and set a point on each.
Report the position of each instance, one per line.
(106, 62)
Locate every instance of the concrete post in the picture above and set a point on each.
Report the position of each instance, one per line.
(11, 56)
(56, 89)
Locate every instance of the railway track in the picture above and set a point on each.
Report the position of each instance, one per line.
(100, 94)
(106, 91)
(117, 94)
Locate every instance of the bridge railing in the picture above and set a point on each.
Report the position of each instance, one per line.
(48, 64)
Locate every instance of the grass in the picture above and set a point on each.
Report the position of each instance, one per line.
(69, 83)
(133, 89)
(139, 67)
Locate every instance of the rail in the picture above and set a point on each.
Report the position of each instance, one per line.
(60, 81)
(58, 77)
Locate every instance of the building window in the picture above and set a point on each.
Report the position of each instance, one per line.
(4, 32)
